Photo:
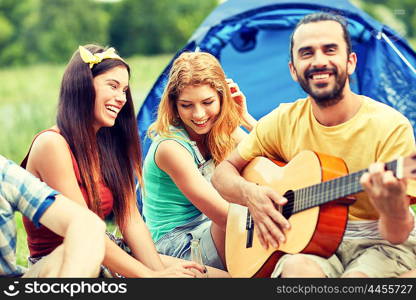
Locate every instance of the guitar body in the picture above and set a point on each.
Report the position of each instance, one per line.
(318, 230)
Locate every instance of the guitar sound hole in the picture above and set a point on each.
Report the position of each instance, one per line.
(288, 207)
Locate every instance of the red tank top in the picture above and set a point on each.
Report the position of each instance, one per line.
(41, 241)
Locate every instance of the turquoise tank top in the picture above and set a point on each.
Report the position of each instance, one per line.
(165, 207)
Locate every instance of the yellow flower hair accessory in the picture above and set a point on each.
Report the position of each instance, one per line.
(96, 58)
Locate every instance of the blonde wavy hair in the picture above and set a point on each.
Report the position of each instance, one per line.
(199, 68)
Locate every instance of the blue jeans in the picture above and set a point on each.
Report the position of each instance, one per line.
(177, 243)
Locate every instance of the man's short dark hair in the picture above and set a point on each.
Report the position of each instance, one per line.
(323, 16)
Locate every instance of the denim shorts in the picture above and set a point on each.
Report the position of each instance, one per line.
(177, 243)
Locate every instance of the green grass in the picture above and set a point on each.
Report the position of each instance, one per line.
(21, 243)
(29, 98)
(22, 252)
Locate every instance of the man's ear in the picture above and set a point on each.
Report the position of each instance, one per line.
(352, 63)
(293, 71)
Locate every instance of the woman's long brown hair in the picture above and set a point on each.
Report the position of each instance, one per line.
(113, 153)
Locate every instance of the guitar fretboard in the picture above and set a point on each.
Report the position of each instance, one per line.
(330, 190)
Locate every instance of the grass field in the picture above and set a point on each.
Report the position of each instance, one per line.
(28, 104)
(29, 99)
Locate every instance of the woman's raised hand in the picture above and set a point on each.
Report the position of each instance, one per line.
(238, 96)
(246, 119)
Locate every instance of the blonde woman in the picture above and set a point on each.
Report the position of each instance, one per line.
(92, 156)
(196, 127)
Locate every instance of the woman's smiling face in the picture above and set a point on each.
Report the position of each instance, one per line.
(110, 96)
(198, 107)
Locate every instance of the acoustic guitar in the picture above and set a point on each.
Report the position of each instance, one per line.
(317, 187)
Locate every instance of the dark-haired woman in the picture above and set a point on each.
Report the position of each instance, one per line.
(93, 156)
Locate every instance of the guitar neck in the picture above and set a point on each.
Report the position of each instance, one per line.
(330, 190)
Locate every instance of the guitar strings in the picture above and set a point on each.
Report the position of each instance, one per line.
(318, 194)
(327, 191)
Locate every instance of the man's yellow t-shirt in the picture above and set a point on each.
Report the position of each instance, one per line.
(376, 133)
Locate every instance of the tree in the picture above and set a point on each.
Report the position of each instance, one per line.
(151, 27)
(63, 25)
(15, 17)
(398, 14)
(49, 30)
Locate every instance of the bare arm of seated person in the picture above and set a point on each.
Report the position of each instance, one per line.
(137, 236)
(57, 171)
(259, 199)
(179, 164)
(388, 195)
(80, 254)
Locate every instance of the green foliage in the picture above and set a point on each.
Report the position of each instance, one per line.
(150, 27)
(7, 29)
(400, 15)
(74, 23)
(29, 98)
(34, 31)
(14, 15)
(49, 30)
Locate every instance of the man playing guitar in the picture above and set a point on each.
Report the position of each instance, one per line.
(333, 120)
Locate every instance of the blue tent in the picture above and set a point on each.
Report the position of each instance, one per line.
(251, 39)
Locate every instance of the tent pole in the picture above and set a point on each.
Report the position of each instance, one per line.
(386, 38)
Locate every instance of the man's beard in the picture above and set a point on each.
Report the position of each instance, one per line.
(329, 98)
